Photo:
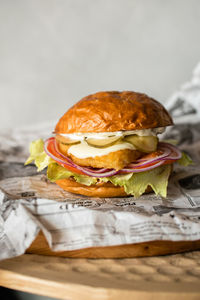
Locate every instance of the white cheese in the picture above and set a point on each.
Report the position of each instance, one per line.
(83, 150)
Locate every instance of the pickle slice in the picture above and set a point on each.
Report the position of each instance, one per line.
(102, 143)
(145, 144)
(66, 141)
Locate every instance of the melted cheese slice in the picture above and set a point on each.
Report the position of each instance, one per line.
(83, 150)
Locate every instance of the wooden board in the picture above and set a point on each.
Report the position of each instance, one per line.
(40, 246)
(165, 277)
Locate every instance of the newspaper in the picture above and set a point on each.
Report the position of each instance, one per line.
(30, 203)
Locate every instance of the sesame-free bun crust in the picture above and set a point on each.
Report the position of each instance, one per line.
(102, 190)
(114, 111)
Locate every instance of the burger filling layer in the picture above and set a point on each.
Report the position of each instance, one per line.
(153, 170)
(108, 149)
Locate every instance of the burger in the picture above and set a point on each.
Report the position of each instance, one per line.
(107, 145)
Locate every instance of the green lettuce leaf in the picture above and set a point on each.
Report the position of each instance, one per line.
(38, 155)
(185, 160)
(136, 184)
(56, 172)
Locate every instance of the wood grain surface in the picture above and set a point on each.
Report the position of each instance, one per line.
(173, 276)
(40, 246)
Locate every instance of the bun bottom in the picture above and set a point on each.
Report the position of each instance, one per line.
(102, 190)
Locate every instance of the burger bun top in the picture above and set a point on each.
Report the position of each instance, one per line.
(113, 111)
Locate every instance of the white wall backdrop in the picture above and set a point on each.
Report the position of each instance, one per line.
(53, 52)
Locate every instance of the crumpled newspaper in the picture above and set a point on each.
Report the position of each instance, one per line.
(30, 203)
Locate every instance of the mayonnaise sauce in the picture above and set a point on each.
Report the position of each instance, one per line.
(102, 135)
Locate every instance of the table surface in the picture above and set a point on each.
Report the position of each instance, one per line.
(175, 276)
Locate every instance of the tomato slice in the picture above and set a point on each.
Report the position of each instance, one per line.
(152, 155)
(54, 154)
(168, 162)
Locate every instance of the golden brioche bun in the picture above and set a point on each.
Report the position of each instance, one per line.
(114, 111)
(102, 190)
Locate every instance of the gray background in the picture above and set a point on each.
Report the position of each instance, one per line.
(54, 52)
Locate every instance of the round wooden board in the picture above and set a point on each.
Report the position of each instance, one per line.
(173, 276)
(40, 246)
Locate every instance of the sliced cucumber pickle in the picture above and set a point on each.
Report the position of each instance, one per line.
(145, 144)
(102, 143)
(66, 141)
